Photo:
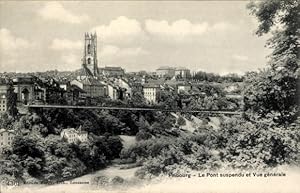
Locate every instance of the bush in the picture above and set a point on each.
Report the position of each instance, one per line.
(117, 180)
(262, 144)
(143, 135)
(115, 145)
(181, 121)
(238, 144)
(101, 181)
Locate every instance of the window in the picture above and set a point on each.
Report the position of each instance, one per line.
(89, 48)
(89, 60)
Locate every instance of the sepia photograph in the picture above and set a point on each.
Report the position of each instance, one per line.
(150, 96)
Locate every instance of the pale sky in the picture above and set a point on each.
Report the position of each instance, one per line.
(214, 36)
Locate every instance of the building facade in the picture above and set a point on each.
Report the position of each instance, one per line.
(72, 135)
(3, 99)
(92, 87)
(33, 89)
(151, 93)
(112, 71)
(184, 87)
(165, 72)
(3, 103)
(75, 95)
(126, 88)
(3, 88)
(112, 91)
(6, 138)
(24, 87)
(182, 73)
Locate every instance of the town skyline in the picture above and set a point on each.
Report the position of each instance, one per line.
(134, 37)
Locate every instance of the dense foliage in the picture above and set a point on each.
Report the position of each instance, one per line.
(202, 96)
(275, 90)
(211, 77)
(11, 100)
(39, 153)
(272, 94)
(237, 144)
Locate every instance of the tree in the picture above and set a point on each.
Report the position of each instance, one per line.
(143, 124)
(27, 146)
(115, 145)
(137, 99)
(282, 19)
(167, 99)
(181, 121)
(143, 135)
(13, 167)
(6, 121)
(270, 94)
(11, 100)
(274, 90)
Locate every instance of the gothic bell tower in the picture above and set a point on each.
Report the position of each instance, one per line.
(89, 60)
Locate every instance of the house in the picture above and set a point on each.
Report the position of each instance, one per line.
(75, 95)
(126, 87)
(24, 87)
(151, 93)
(231, 88)
(137, 86)
(30, 89)
(93, 87)
(3, 87)
(72, 135)
(3, 103)
(113, 92)
(165, 71)
(47, 90)
(6, 138)
(183, 88)
(182, 73)
(64, 84)
(39, 93)
(112, 71)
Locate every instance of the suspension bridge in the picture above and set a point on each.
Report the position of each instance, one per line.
(200, 111)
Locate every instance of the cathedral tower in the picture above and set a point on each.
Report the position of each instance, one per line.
(89, 60)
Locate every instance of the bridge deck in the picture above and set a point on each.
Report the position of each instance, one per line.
(204, 111)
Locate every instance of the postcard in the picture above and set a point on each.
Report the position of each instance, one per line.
(149, 96)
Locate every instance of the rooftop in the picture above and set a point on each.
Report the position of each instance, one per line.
(151, 85)
(73, 131)
(165, 68)
(181, 68)
(6, 130)
(91, 81)
(112, 68)
(74, 87)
